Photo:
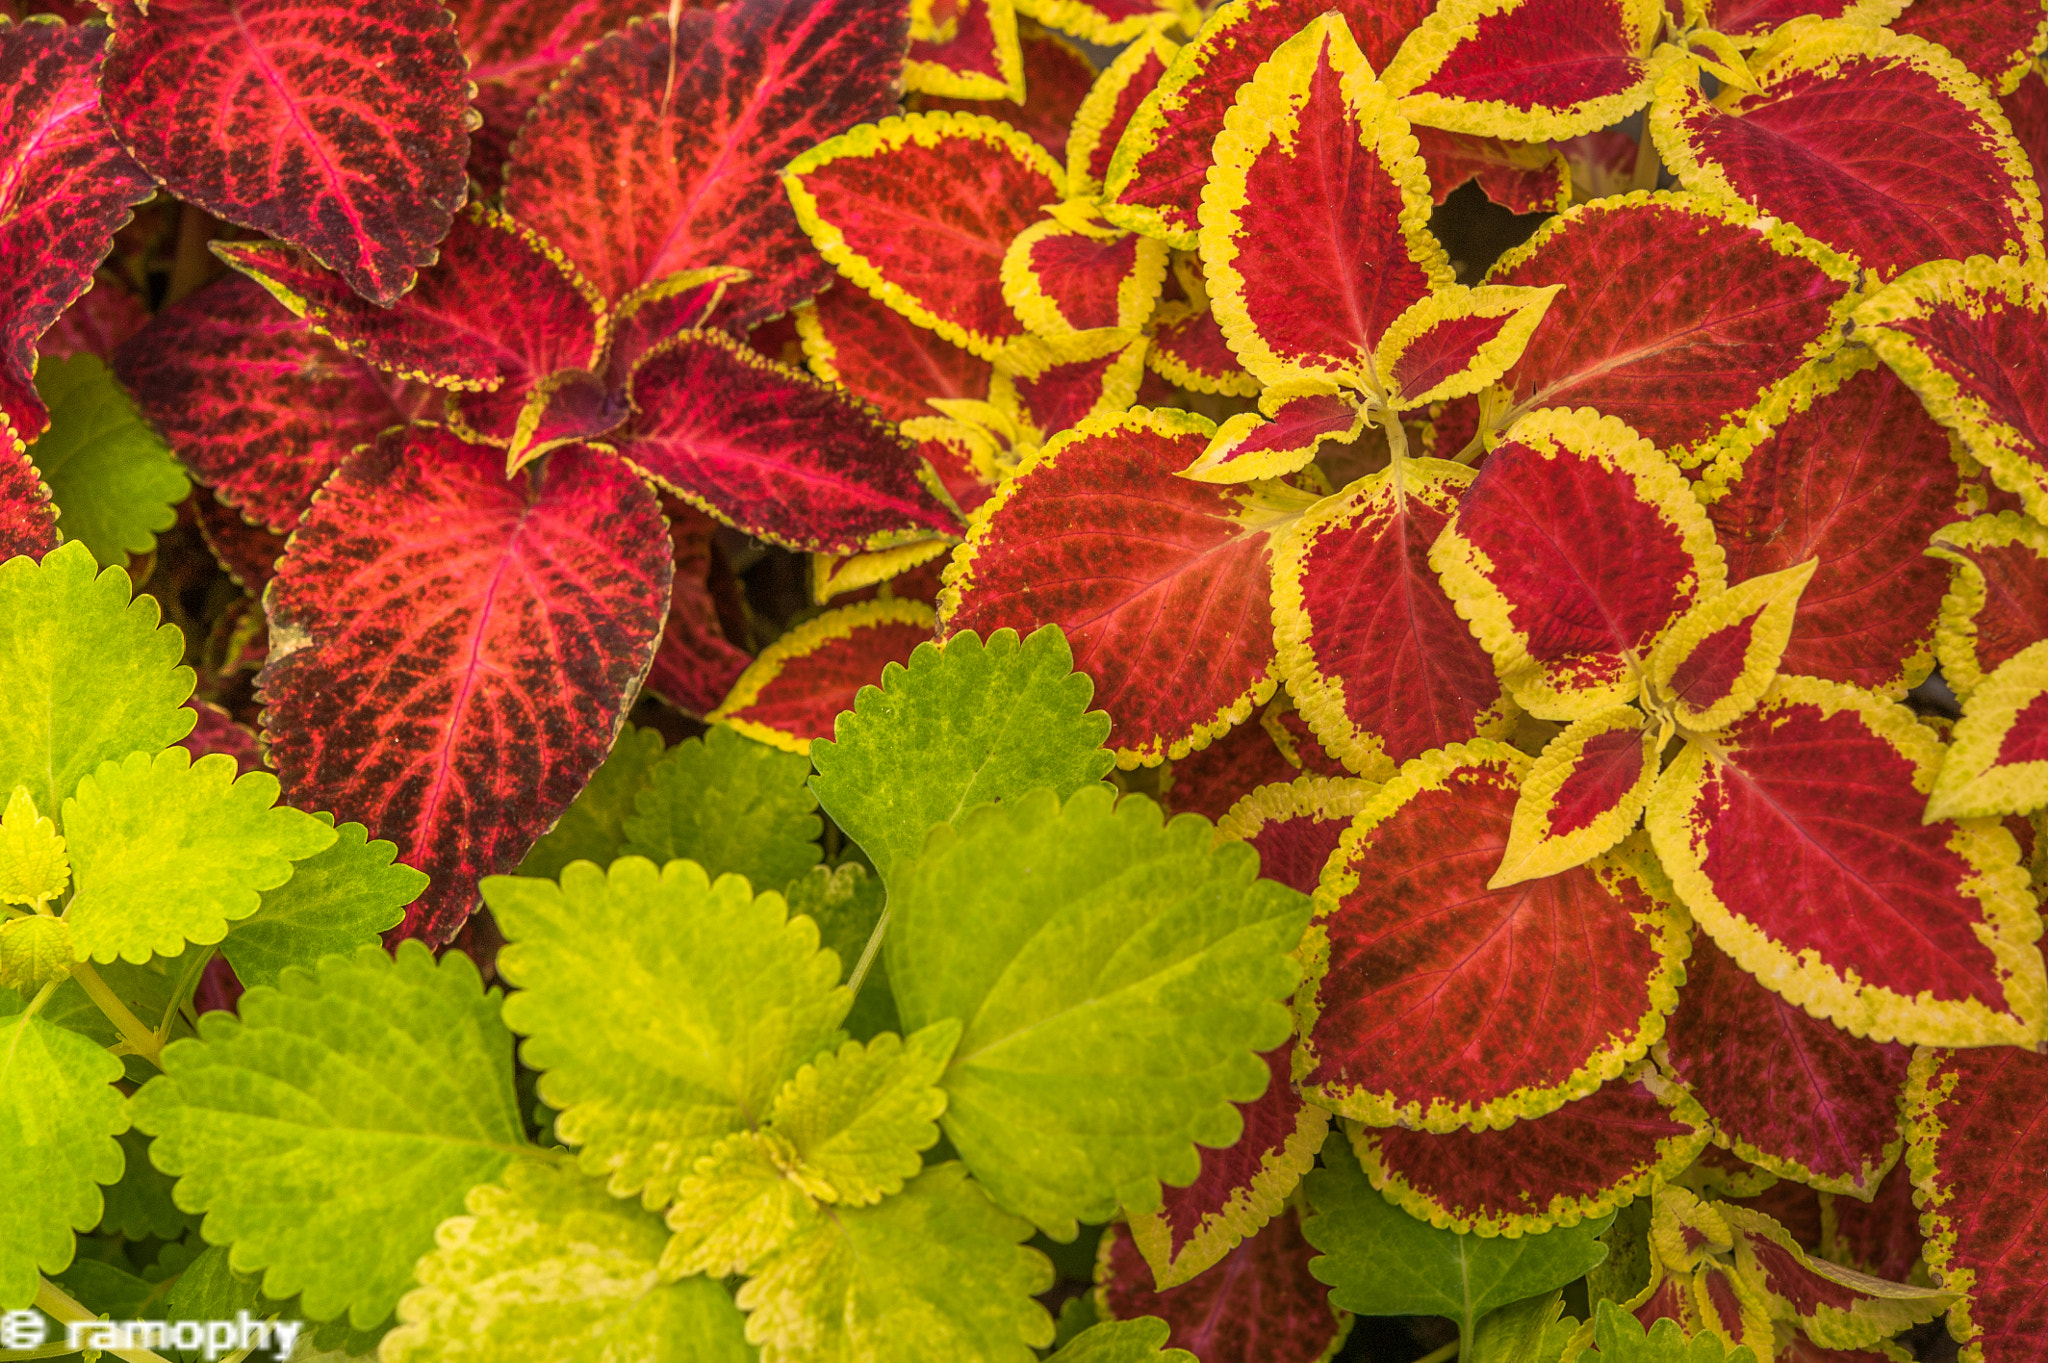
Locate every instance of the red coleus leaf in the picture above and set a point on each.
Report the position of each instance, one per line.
(1522, 177)
(1896, 930)
(515, 51)
(524, 612)
(966, 49)
(65, 185)
(1880, 1237)
(1044, 388)
(2026, 108)
(880, 356)
(1433, 1002)
(214, 731)
(1110, 23)
(1295, 825)
(1260, 1301)
(1060, 279)
(1677, 316)
(1159, 583)
(1945, 180)
(28, 523)
(1997, 601)
(1997, 39)
(257, 405)
(1056, 78)
(339, 129)
(774, 452)
(1188, 350)
(1112, 100)
(1834, 1307)
(107, 314)
(1997, 762)
(1788, 1091)
(964, 459)
(695, 665)
(1750, 21)
(1211, 781)
(801, 683)
(650, 156)
(247, 552)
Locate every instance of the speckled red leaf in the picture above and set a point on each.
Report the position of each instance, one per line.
(1209, 781)
(1880, 1237)
(1797, 1095)
(695, 664)
(682, 302)
(880, 356)
(1997, 600)
(339, 129)
(1437, 1003)
(1088, 282)
(515, 50)
(65, 185)
(453, 651)
(1295, 826)
(1188, 348)
(1260, 1302)
(2026, 108)
(256, 405)
(1112, 100)
(247, 552)
(1997, 39)
(1676, 315)
(1056, 80)
(796, 689)
(1858, 476)
(214, 730)
(1752, 19)
(1056, 388)
(754, 84)
(775, 452)
(1160, 583)
(1521, 177)
(966, 48)
(28, 523)
(105, 316)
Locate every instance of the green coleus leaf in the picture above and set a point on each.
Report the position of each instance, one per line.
(166, 850)
(728, 803)
(115, 483)
(1619, 1337)
(328, 1129)
(140, 1205)
(593, 828)
(964, 724)
(846, 903)
(336, 901)
(547, 1267)
(33, 867)
(1533, 1330)
(1122, 1341)
(743, 1203)
(1096, 953)
(35, 951)
(90, 674)
(936, 1274)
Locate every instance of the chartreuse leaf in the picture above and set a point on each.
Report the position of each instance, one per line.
(664, 1009)
(336, 901)
(1118, 977)
(59, 1114)
(167, 850)
(846, 902)
(743, 1203)
(547, 1267)
(33, 867)
(964, 724)
(935, 1274)
(728, 804)
(35, 951)
(115, 482)
(90, 674)
(1533, 1330)
(327, 1130)
(1122, 1341)
(1620, 1338)
(593, 828)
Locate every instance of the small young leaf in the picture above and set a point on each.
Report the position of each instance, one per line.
(859, 1119)
(114, 482)
(729, 804)
(593, 827)
(743, 1203)
(336, 901)
(1121, 1341)
(33, 867)
(34, 951)
(1527, 1331)
(1622, 1339)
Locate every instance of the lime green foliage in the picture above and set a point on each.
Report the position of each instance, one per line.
(1095, 953)
(743, 1203)
(33, 867)
(594, 827)
(90, 676)
(1122, 1341)
(140, 1205)
(729, 804)
(336, 901)
(964, 724)
(59, 1115)
(1380, 1261)
(115, 484)
(167, 850)
(663, 1010)
(1620, 1338)
(549, 1268)
(1533, 1330)
(1079, 1315)
(846, 902)
(145, 990)
(34, 951)
(337, 1121)
(1626, 1269)
(936, 1274)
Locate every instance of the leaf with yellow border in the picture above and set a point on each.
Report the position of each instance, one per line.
(1835, 1307)
(1456, 341)
(1188, 350)
(1045, 386)
(852, 339)
(794, 691)
(1296, 417)
(1997, 601)
(1295, 826)
(966, 49)
(1073, 273)
(1585, 794)
(1716, 661)
(1110, 23)
(1998, 43)
(1107, 110)
(1997, 759)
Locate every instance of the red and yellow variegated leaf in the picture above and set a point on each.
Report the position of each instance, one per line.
(1060, 280)
(919, 210)
(1433, 1003)
(1842, 465)
(1677, 315)
(881, 357)
(1295, 418)
(1522, 177)
(1575, 548)
(1297, 742)
(452, 651)
(256, 405)
(1258, 1302)
(1969, 337)
(1456, 341)
(108, 313)
(912, 571)
(649, 316)
(1212, 781)
(1315, 216)
(1528, 70)
(1240, 1188)
(797, 688)
(246, 551)
(338, 129)
(651, 156)
(1997, 761)
(28, 523)
(695, 665)
(1188, 350)
(1154, 181)
(1045, 387)
(1584, 795)
(567, 406)
(1602, 164)
(1945, 180)
(1977, 1137)
(2026, 108)
(1798, 845)
(1625, 1140)
(1749, 22)
(774, 452)
(1372, 650)
(1997, 601)
(1111, 23)
(1717, 660)
(1880, 1237)
(65, 186)
(1789, 1092)
(1997, 39)
(966, 49)
(1835, 1307)
(1159, 583)
(1296, 826)
(1110, 104)
(1056, 79)
(964, 458)
(515, 51)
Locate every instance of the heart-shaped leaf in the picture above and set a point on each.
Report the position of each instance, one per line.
(1259, 1301)
(1997, 602)
(795, 691)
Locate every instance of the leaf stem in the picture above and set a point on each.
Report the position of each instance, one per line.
(1443, 1355)
(139, 1040)
(192, 265)
(56, 1303)
(869, 952)
(1649, 166)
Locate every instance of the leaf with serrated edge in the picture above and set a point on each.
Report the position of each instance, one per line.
(1056, 75)
(1585, 793)
(793, 693)
(729, 804)
(34, 951)
(972, 54)
(33, 867)
(593, 827)
(1715, 662)
(1044, 387)
(1997, 600)
(115, 483)
(1295, 826)
(336, 901)
(745, 1200)
(1997, 761)
(860, 1118)
(28, 520)
(1110, 23)
(1456, 341)
(1998, 43)
(1622, 1338)
(1259, 1302)
(1121, 1341)
(1296, 417)
(1112, 100)
(1835, 1307)
(882, 357)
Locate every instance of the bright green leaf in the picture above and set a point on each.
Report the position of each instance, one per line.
(336, 901)
(935, 1274)
(1118, 976)
(729, 804)
(861, 1118)
(1533, 1330)
(328, 1129)
(593, 827)
(742, 1204)
(140, 1205)
(1620, 1338)
(664, 1011)
(963, 725)
(33, 867)
(1142, 1340)
(34, 951)
(167, 850)
(1077, 1315)
(846, 902)
(549, 1268)
(115, 483)
(90, 674)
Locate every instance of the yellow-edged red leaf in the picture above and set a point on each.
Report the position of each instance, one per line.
(1997, 601)
(1585, 794)
(1716, 661)
(1111, 101)
(882, 357)
(796, 689)
(1997, 40)
(1260, 1302)
(966, 49)
(1997, 760)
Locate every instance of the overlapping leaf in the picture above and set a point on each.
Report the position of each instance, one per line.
(1519, 176)
(515, 52)
(1997, 762)
(1112, 100)
(882, 357)
(1060, 279)
(967, 49)
(114, 483)
(1259, 1301)
(1997, 601)
(28, 523)
(1998, 43)
(1056, 77)
(1296, 826)
(797, 688)
(336, 901)
(729, 804)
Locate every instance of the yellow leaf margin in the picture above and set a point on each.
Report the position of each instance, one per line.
(1533, 851)
(1973, 784)
(1091, 120)
(926, 76)
(1136, 293)
(800, 642)
(1955, 638)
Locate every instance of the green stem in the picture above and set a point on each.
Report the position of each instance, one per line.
(1443, 1355)
(56, 1303)
(137, 1038)
(869, 952)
